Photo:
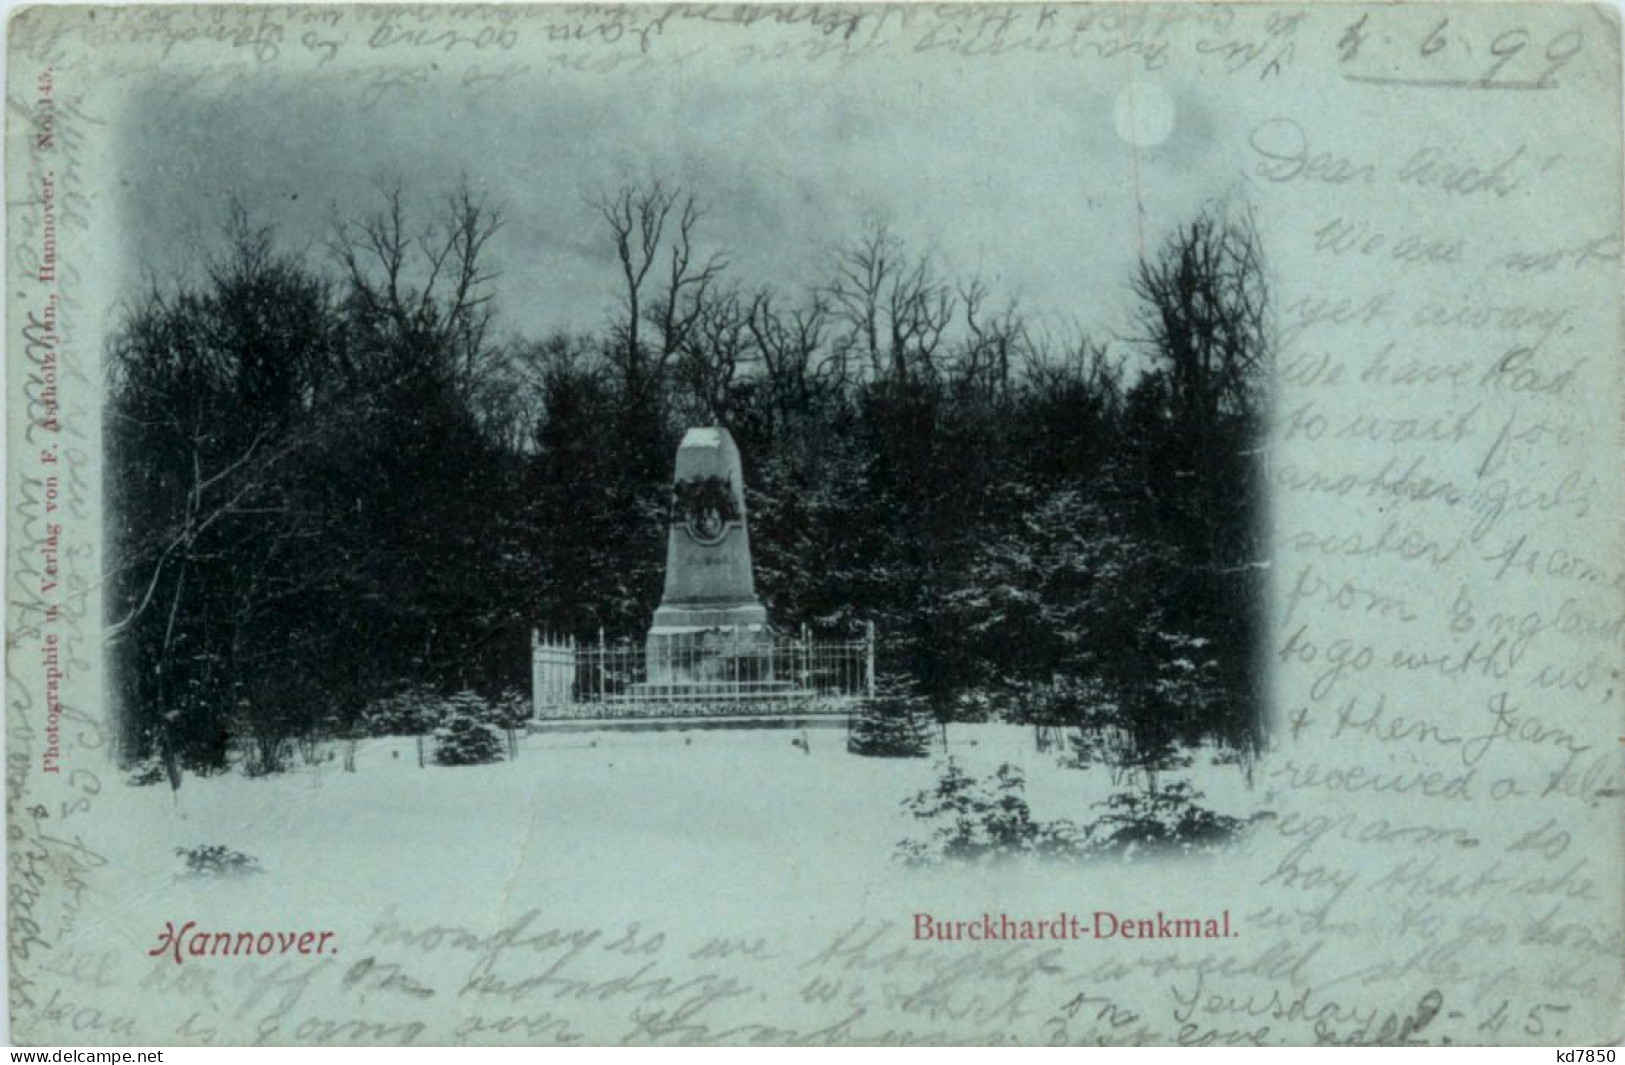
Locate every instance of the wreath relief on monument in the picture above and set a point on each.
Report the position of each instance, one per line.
(704, 507)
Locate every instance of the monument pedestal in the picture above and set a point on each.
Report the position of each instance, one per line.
(689, 645)
(712, 653)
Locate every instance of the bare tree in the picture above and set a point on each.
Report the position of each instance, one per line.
(428, 288)
(995, 341)
(1076, 363)
(208, 419)
(896, 311)
(857, 295)
(1205, 315)
(503, 400)
(788, 343)
(920, 307)
(648, 226)
(717, 343)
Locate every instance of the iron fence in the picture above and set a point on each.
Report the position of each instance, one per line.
(755, 675)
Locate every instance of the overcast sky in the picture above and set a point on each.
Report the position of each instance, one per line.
(1026, 179)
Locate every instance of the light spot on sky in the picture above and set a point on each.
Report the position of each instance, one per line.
(1143, 113)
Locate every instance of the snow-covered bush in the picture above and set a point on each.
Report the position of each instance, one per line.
(1159, 820)
(896, 723)
(465, 739)
(217, 860)
(986, 820)
(147, 772)
(511, 709)
(409, 712)
(976, 706)
(982, 821)
(467, 703)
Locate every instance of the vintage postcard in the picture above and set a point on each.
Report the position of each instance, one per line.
(865, 524)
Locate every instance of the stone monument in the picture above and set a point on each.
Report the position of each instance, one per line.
(710, 634)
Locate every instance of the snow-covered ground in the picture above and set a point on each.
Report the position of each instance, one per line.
(734, 809)
(689, 838)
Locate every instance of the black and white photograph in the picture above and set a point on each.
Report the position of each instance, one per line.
(753, 478)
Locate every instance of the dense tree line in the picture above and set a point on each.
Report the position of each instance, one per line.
(330, 479)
